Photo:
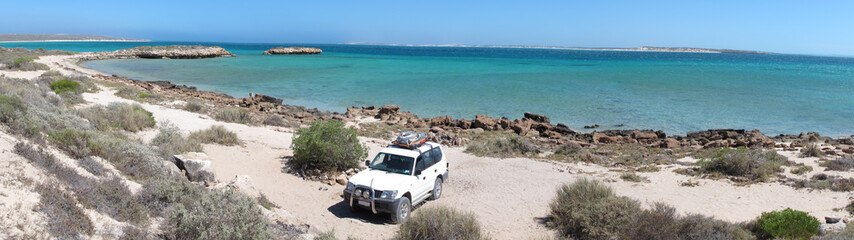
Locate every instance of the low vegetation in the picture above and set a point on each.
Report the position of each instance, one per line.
(33, 110)
(170, 142)
(840, 164)
(811, 150)
(845, 234)
(215, 134)
(802, 169)
(743, 164)
(786, 224)
(64, 85)
(501, 145)
(440, 223)
(129, 117)
(823, 181)
(235, 115)
(193, 107)
(21, 59)
(327, 146)
(278, 121)
(218, 215)
(134, 93)
(588, 209)
(383, 130)
(631, 177)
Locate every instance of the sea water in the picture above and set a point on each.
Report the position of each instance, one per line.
(674, 92)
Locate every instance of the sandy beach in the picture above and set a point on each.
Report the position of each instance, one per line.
(509, 196)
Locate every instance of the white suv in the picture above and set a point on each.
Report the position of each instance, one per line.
(397, 179)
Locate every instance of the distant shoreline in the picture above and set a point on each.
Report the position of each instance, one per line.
(637, 49)
(128, 40)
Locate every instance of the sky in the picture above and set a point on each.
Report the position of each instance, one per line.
(801, 27)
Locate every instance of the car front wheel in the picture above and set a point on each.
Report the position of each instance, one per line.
(401, 211)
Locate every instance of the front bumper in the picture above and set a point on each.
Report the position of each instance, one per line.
(378, 205)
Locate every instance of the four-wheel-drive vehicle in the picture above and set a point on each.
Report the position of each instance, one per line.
(397, 179)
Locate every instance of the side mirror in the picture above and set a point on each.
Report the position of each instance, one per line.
(367, 163)
(417, 172)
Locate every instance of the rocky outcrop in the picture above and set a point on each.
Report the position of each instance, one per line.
(173, 52)
(196, 166)
(292, 51)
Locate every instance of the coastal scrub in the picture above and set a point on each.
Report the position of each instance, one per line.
(327, 146)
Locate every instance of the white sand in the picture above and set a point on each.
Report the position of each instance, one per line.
(507, 195)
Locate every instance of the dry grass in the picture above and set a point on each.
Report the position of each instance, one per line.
(129, 117)
(235, 115)
(216, 134)
(440, 223)
(501, 144)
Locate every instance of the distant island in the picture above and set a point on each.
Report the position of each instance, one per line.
(62, 37)
(637, 49)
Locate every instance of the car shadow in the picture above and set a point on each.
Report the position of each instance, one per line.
(342, 210)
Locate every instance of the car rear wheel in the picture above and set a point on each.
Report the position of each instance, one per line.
(437, 189)
(401, 211)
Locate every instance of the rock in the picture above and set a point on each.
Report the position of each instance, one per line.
(441, 121)
(485, 122)
(592, 126)
(537, 117)
(292, 51)
(832, 219)
(476, 130)
(389, 109)
(244, 184)
(849, 150)
(197, 165)
(341, 179)
(830, 227)
(670, 143)
(173, 52)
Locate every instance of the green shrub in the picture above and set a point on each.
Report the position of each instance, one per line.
(786, 224)
(216, 134)
(137, 94)
(64, 218)
(631, 177)
(755, 165)
(135, 233)
(218, 214)
(500, 144)
(130, 117)
(699, 227)
(811, 150)
(587, 209)
(170, 142)
(440, 223)
(76, 143)
(194, 107)
(235, 115)
(803, 169)
(850, 208)
(327, 146)
(64, 85)
(161, 192)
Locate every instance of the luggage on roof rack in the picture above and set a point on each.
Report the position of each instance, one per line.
(410, 140)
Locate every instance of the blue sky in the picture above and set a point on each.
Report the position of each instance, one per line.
(817, 27)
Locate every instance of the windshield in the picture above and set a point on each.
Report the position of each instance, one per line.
(392, 163)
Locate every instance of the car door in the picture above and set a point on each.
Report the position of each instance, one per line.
(425, 182)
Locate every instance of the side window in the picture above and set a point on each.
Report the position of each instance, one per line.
(420, 164)
(437, 154)
(428, 159)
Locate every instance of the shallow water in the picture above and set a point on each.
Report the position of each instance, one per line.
(675, 92)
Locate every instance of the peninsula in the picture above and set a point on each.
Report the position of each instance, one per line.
(62, 38)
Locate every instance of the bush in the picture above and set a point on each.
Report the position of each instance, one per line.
(840, 164)
(64, 85)
(76, 143)
(811, 150)
(786, 224)
(327, 146)
(569, 148)
(92, 166)
(755, 165)
(134, 93)
(699, 227)
(216, 134)
(823, 181)
(193, 107)
(130, 117)
(235, 115)
(161, 192)
(64, 218)
(135, 233)
(218, 215)
(275, 120)
(440, 223)
(803, 169)
(500, 144)
(170, 142)
(631, 177)
(588, 209)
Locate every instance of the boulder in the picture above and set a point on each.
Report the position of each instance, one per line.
(292, 51)
(832, 219)
(484, 122)
(197, 165)
(830, 227)
(441, 121)
(537, 117)
(173, 52)
(341, 179)
(244, 184)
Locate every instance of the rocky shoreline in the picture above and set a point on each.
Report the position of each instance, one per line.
(449, 131)
(292, 51)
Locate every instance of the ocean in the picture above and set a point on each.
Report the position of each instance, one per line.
(674, 92)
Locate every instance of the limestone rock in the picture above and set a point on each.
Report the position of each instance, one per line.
(198, 167)
(292, 51)
(173, 52)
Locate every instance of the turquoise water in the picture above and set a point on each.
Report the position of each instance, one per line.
(675, 92)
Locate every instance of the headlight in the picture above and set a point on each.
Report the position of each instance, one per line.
(350, 186)
(389, 194)
(357, 193)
